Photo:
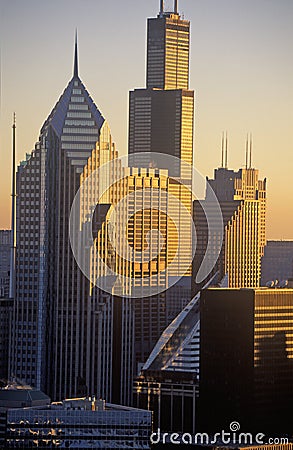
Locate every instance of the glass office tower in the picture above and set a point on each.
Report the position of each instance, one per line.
(168, 51)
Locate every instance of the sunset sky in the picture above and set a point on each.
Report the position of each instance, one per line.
(241, 70)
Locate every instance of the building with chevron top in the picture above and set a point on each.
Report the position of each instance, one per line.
(54, 316)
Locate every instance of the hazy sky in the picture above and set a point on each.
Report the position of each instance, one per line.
(241, 70)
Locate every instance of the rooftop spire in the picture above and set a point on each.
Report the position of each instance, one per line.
(226, 151)
(13, 216)
(75, 70)
(162, 7)
(222, 165)
(250, 152)
(176, 6)
(246, 153)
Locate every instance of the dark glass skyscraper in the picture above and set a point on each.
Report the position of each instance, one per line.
(168, 51)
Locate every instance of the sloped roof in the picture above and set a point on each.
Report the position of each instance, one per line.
(178, 347)
(22, 395)
(58, 115)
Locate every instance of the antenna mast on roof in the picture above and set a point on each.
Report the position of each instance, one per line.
(226, 151)
(13, 218)
(75, 70)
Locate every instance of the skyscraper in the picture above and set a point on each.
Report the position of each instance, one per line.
(161, 122)
(161, 116)
(168, 50)
(55, 317)
(242, 199)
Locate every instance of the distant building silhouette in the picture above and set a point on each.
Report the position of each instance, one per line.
(277, 261)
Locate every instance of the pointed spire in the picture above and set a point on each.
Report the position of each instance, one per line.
(13, 211)
(246, 152)
(222, 165)
(161, 7)
(250, 152)
(75, 70)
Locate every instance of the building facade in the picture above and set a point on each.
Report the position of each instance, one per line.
(6, 311)
(246, 352)
(79, 423)
(172, 396)
(5, 249)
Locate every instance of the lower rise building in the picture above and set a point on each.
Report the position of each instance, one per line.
(75, 423)
(6, 308)
(5, 249)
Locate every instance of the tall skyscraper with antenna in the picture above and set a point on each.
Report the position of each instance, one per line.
(161, 121)
(168, 50)
(242, 198)
(13, 217)
(161, 116)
